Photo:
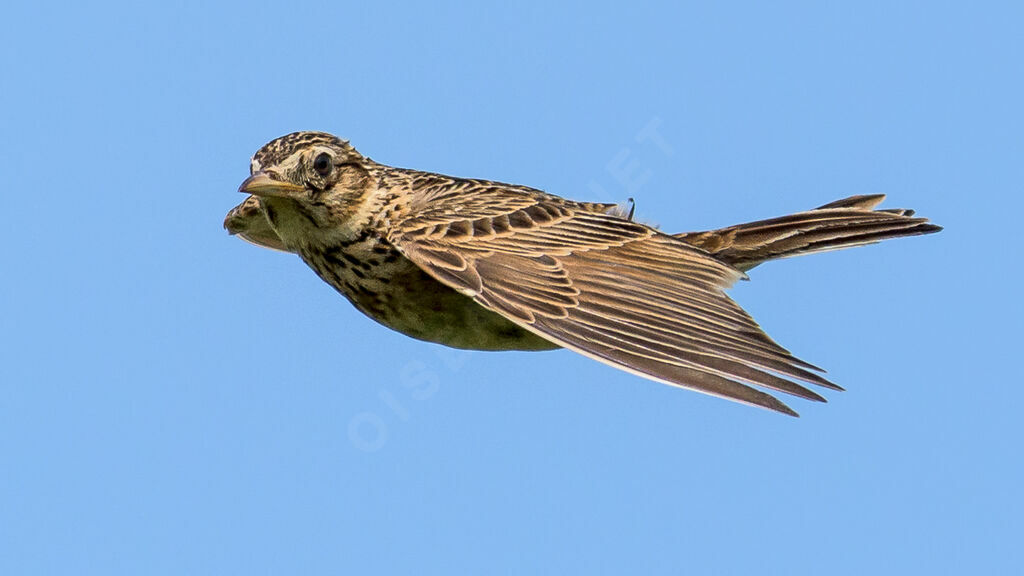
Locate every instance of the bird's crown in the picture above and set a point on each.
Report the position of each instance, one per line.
(276, 151)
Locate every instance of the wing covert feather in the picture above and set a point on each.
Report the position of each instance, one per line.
(606, 287)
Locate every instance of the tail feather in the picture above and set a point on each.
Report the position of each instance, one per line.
(841, 224)
(861, 202)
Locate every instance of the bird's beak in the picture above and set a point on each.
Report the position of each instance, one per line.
(265, 185)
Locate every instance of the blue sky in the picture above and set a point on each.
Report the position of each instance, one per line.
(175, 401)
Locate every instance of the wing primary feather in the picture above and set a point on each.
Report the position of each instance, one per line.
(683, 376)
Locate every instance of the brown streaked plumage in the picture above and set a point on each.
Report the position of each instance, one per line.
(484, 265)
(248, 222)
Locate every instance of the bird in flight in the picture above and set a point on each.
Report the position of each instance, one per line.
(483, 265)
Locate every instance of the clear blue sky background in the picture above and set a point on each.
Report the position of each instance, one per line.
(175, 401)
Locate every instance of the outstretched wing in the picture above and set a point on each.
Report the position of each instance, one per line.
(611, 289)
(249, 223)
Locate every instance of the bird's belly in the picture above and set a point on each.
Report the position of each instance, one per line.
(401, 296)
(424, 308)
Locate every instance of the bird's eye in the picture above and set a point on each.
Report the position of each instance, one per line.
(322, 164)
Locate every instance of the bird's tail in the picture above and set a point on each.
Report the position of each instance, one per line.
(841, 224)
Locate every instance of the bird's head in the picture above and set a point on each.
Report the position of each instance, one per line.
(309, 184)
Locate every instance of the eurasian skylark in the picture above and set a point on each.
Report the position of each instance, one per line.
(483, 265)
